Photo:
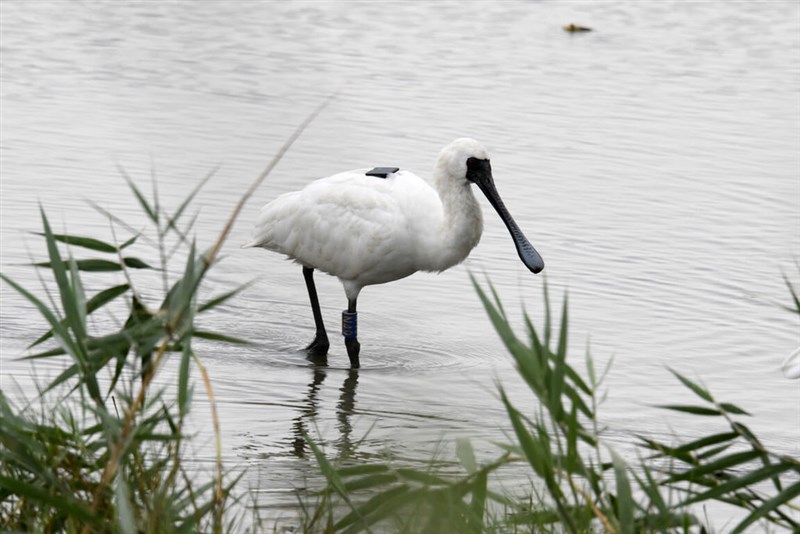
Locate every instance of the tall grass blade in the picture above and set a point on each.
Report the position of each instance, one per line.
(466, 455)
(59, 329)
(148, 209)
(558, 370)
(65, 504)
(216, 336)
(125, 516)
(548, 325)
(713, 439)
(96, 302)
(184, 392)
(377, 508)
(625, 502)
(695, 410)
(769, 505)
(360, 470)
(478, 504)
(96, 265)
(221, 299)
(68, 300)
(328, 470)
(173, 221)
(701, 392)
(532, 450)
(85, 242)
(372, 482)
(732, 408)
(129, 242)
(735, 459)
(78, 293)
(741, 482)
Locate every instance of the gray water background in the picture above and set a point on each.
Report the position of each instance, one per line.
(654, 162)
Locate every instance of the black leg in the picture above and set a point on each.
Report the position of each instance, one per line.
(318, 347)
(350, 333)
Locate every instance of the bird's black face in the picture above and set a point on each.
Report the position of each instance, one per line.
(479, 172)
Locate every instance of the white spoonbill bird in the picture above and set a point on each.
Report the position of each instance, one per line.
(374, 226)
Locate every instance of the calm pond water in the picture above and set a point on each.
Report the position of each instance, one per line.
(654, 162)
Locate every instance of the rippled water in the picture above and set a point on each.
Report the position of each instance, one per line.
(654, 163)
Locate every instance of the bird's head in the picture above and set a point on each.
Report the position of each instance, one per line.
(467, 161)
(454, 158)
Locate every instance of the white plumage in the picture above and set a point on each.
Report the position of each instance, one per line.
(371, 230)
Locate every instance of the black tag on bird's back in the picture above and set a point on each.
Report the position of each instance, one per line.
(382, 172)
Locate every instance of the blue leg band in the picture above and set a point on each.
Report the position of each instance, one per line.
(349, 324)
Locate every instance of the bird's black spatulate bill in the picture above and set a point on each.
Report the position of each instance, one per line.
(479, 171)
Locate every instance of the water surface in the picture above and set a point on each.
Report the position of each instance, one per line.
(654, 163)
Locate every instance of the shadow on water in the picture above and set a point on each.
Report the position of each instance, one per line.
(345, 408)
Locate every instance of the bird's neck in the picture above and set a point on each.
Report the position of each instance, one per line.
(461, 224)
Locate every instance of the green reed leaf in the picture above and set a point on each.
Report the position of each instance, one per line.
(370, 482)
(478, 504)
(136, 263)
(327, 469)
(701, 392)
(125, 515)
(97, 265)
(361, 470)
(726, 462)
(740, 482)
(59, 329)
(625, 502)
(221, 299)
(556, 381)
(85, 242)
(695, 410)
(148, 209)
(532, 449)
(36, 493)
(173, 221)
(732, 408)
(707, 441)
(466, 455)
(216, 336)
(769, 505)
(184, 393)
(382, 505)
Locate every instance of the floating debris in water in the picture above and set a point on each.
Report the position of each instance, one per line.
(572, 28)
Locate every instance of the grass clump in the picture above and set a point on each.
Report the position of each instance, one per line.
(579, 482)
(101, 447)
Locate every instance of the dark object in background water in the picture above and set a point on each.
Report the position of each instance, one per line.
(573, 28)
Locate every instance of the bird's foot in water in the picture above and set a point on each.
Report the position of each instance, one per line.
(353, 348)
(317, 350)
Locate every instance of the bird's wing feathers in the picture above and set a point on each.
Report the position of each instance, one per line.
(348, 223)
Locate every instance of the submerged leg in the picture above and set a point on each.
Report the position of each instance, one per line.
(350, 333)
(318, 347)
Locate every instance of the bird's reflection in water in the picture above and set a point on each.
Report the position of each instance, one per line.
(344, 409)
(308, 412)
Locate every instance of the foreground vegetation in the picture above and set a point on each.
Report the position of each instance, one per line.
(103, 448)
(579, 482)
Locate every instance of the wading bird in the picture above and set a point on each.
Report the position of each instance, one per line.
(374, 226)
